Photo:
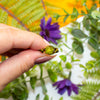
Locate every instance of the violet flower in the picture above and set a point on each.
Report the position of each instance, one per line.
(66, 85)
(50, 32)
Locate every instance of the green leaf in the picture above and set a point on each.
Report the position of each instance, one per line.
(20, 94)
(74, 14)
(68, 65)
(82, 66)
(89, 65)
(93, 43)
(52, 75)
(38, 97)
(46, 97)
(59, 67)
(33, 82)
(44, 89)
(95, 14)
(94, 54)
(65, 11)
(63, 57)
(66, 16)
(5, 93)
(56, 16)
(78, 33)
(77, 46)
(86, 22)
(61, 98)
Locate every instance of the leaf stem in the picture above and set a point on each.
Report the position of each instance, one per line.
(44, 7)
(12, 15)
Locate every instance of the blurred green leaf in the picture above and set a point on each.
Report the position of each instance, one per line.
(93, 43)
(3, 58)
(52, 75)
(77, 46)
(95, 14)
(82, 66)
(5, 93)
(46, 97)
(78, 33)
(68, 65)
(89, 65)
(63, 57)
(61, 98)
(66, 16)
(38, 97)
(20, 94)
(94, 54)
(43, 86)
(74, 14)
(56, 16)
(33, 82)
(86, 22)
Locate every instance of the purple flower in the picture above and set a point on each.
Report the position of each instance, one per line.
(66, 85)
(50, 32)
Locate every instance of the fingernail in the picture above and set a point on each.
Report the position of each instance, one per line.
(46, 42)
(44, 59)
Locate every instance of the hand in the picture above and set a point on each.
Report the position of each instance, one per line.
(22, 48)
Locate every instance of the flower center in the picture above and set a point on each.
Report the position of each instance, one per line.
(47, 33)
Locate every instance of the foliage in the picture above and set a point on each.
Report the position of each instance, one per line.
(28, 17)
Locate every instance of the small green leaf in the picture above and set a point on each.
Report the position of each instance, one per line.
(66, 16)
(56, 16)
(78, 33)
(43, 86)
(5, 93)
(77, 46)
(52, 75)
(33, 82)
(68, 65)
(60, 67)
(86, 22)
(89, 65)
(65, 11)
(74, 14)
(82, 66)
(93, 43)
(20, 94)
(63, 57)
(61, 98)
(94, 54)
(46, 97)
(95, 14)
(3, 58)
(38, 97)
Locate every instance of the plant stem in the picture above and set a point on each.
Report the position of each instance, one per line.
(12, 15)
(44, 7)
(97, 95)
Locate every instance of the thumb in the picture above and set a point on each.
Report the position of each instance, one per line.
(18, 64)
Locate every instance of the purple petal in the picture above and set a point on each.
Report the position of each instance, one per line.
(49, 22)
(42, 25)
(69, 90)
(53, 27)
(68, 82)
(75, 88)
(42, 33)
(55, 34)
(62, 91)
(56, 83)
(53, 40)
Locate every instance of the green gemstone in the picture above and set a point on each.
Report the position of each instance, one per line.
(49, 50)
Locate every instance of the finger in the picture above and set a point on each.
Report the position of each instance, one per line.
(15, 38)
(18, 64)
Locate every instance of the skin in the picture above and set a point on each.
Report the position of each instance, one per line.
(22, 48)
